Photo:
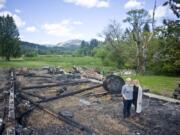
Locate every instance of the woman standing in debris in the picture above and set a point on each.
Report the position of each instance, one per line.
(127, 93)
(137, 96)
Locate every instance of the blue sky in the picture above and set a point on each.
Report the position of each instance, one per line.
(54, 21)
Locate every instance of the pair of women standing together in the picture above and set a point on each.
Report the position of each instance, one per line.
(132, 94)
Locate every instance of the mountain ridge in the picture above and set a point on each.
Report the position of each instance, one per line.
(59, 48)
(75, 42)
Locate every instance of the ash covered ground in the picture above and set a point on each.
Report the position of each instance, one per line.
(101, 113)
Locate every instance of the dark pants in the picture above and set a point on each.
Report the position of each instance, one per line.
(127, 108)
(135, 103)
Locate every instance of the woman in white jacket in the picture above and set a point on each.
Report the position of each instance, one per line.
(137, 96)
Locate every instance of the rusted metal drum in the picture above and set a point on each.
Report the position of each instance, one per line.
(113, 84)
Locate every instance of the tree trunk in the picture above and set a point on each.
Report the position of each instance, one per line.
(141, 68)
(141, 60)
(7, 58)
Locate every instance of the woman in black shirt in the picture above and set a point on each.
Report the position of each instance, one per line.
(137, 96)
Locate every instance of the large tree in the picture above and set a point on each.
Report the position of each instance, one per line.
(9, 38)
(86, 48)
(139, 21)
(93, 44)
(119, 50)
(164, 52)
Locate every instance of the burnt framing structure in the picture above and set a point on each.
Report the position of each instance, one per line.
(17, 94)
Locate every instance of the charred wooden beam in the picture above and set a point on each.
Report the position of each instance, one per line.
(40, 86)
(60, 96)
(2, 121)
(67, 120)
(56, 84)
(70, 93)
(101, 94)
(33, 95)
(43, 76)
(11, 112)
(20, 118)
(1, 126)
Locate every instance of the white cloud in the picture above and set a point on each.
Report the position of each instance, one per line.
(31, 29)
(90, 3)
(19, 22)
(64, 28)
(57, 29)
(2, 2)
(161, 11)
(131, 4)
(17, 11)
(77, 22)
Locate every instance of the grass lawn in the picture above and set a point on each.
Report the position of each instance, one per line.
(64, 61)
(163, 85)
(52, 60)
(157, 84)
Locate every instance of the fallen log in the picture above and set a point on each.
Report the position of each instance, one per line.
(61, 117)
(56, 84)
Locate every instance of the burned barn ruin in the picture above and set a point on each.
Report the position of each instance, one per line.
(50, 101)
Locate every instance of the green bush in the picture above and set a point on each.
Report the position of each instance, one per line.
(31, 54)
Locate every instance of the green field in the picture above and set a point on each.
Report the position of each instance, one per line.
(53, 60)
(157, 84)
(163, 85)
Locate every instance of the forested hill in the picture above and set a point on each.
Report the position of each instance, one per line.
(66, 47)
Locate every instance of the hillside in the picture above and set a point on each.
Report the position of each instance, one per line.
(60, 48)
(69, 43)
